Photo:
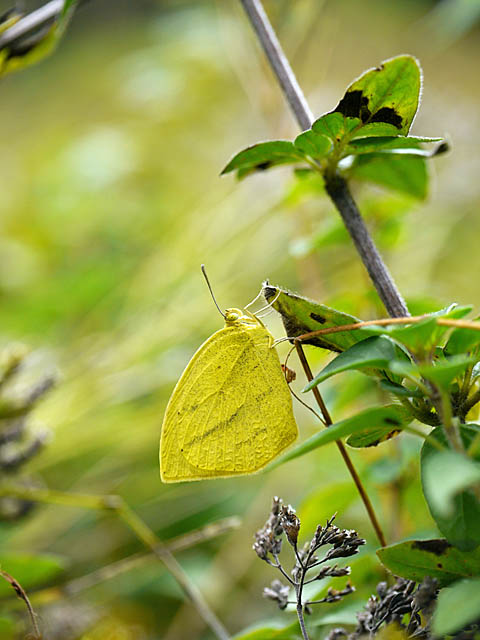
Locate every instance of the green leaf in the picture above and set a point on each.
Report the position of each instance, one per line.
(373, 436)
(375, 129)
(376, 352)
(457, 607)
(31, 570)
(404, 173)
(264, 155)
(313, 144)
(395, 144)
(335, 126)
(456, 472)
(422, 336)
(301, 315)
(290, 632)
(462, 528)
(462, 341)
(400, 390)
(442, 373)
(416, 559)
(387, 418)
(388, 94)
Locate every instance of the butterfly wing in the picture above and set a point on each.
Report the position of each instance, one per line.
(231, 411)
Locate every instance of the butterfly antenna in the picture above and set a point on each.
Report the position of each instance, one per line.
(202, 267)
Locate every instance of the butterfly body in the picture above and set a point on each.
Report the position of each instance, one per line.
(231, 411)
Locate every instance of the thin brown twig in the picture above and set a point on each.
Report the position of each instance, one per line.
(444, 322)
(341, 448)
(22, 594)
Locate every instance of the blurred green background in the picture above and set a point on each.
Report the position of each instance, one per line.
(110, 153)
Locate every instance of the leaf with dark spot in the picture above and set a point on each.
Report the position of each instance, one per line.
(388, 94)
(416, 559)
(301, 315)
(437, 546)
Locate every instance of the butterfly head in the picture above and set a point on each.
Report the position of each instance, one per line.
(236, 316)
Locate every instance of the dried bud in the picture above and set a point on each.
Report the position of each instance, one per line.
(334, 595)
(290, 524)
(426, 593)
(279, 592)
(289, 374)
(345, 543)
(333, 572)
(267, 538)
(336, 634)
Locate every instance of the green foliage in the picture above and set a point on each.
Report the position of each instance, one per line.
(402, 173)
(313, 144)
(371, 353)
(366, 136)
(459, 473)
(301, 315)
(458, 606)
(270, 633)
(462, 341)
(381, 421)
(264, 155)
(421, 337)
(447, 478)
(388, 94)
(88, 230)
(416, 559)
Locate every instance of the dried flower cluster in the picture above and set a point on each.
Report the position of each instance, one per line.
(268, 544)
(404, 603)
(18, 444)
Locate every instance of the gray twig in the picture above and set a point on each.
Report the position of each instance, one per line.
(337, 187)
(32, 21)
(279, 62)
(340, 194)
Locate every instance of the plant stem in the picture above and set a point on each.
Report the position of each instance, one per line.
(472, 401)
(336, 186)
(141, 530)
(452, 432)
(22, 594)
(339, 192)
(279, 63)
(301, 620)
(341, 448)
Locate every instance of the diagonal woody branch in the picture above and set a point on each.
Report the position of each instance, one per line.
(336, 187)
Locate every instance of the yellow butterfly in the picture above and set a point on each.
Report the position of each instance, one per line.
(231, 411)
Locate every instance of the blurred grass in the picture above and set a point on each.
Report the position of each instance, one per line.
(109, 162)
